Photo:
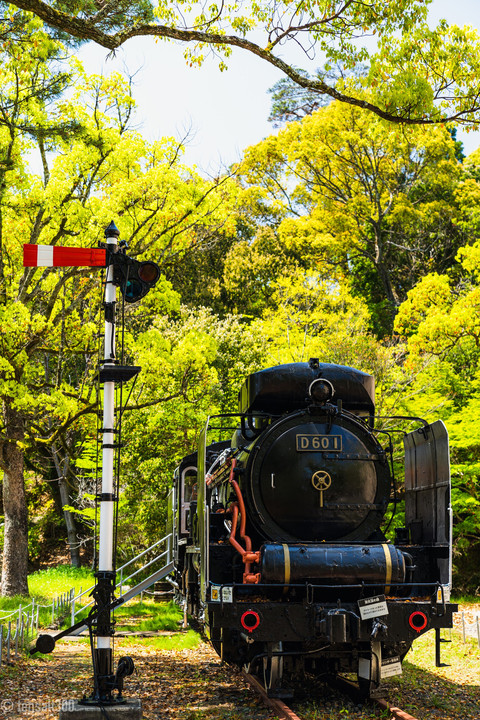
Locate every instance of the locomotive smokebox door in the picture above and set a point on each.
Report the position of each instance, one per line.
(318, 477)
(428, 512)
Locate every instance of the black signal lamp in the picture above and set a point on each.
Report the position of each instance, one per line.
(134, 277)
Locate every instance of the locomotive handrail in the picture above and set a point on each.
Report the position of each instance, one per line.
(402, 417)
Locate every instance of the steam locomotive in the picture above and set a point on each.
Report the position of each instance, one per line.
(279, 553)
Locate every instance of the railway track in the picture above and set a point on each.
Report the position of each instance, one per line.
(278, 706)
(286, 713)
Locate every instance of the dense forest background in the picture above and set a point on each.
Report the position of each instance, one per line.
(340, 236)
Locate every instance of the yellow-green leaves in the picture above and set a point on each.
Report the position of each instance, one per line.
(350, 191)
(417, 73)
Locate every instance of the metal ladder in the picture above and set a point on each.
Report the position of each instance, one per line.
(164, 548)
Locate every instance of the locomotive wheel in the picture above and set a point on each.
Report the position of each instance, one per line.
(273, 668)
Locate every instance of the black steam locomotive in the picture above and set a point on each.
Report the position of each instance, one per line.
(279, 553)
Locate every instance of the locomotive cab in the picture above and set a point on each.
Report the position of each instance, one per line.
(281, 555)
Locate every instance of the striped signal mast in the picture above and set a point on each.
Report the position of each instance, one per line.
(135, 279)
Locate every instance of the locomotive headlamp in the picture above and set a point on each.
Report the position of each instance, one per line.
(321, 391)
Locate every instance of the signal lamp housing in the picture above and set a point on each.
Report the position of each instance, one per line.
(135, 278)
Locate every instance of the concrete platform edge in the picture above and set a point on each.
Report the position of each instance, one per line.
(130, 710)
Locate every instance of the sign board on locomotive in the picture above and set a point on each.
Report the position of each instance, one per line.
(324, 443)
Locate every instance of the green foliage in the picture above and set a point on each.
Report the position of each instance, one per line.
(292, 102)
(49, 317)
(197, 361)
(441, 320)
(353, 195)
(416, 73)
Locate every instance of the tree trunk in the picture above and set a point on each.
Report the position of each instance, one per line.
(15, 547)
(65, 500)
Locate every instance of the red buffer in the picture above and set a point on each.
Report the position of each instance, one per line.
(52, 256)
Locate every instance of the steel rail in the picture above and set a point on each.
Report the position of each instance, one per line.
(396, 712)
(281, 710)
(349, 688)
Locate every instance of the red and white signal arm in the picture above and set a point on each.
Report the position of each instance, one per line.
(53, 256)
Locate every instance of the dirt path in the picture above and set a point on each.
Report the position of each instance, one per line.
(173, 685)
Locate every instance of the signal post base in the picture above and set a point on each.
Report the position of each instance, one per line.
(131, 709)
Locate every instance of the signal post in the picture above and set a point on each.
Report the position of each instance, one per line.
(135, 279)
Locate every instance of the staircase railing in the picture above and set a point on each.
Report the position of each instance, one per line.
(164, 558)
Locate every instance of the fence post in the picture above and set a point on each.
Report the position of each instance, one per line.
(53, 611)
(22, 644)
(72, 612)
(9, 632)
(36, 619)
(16, 638)
(185, 618)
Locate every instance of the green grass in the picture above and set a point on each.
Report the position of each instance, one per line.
(148, 615)
(53, 582)
(44, 587)
(466, 599)
(180, 641)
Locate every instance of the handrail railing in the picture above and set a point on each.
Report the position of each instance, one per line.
(166, 554)
(19, 632)
(23, 621)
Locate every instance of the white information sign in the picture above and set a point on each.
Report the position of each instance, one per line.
(373, 607)
(391, 666)
(227, 594)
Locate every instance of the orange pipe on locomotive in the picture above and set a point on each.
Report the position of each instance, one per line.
(248, 557)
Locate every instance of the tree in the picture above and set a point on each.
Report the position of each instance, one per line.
(362, 196)
(27, 88)
(210, 356)
(441, 322)
(49, 318)
(419, 75)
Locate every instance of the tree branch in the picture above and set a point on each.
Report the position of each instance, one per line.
(86, 29)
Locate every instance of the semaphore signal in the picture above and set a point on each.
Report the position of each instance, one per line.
(53, 256)
(134, 278)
